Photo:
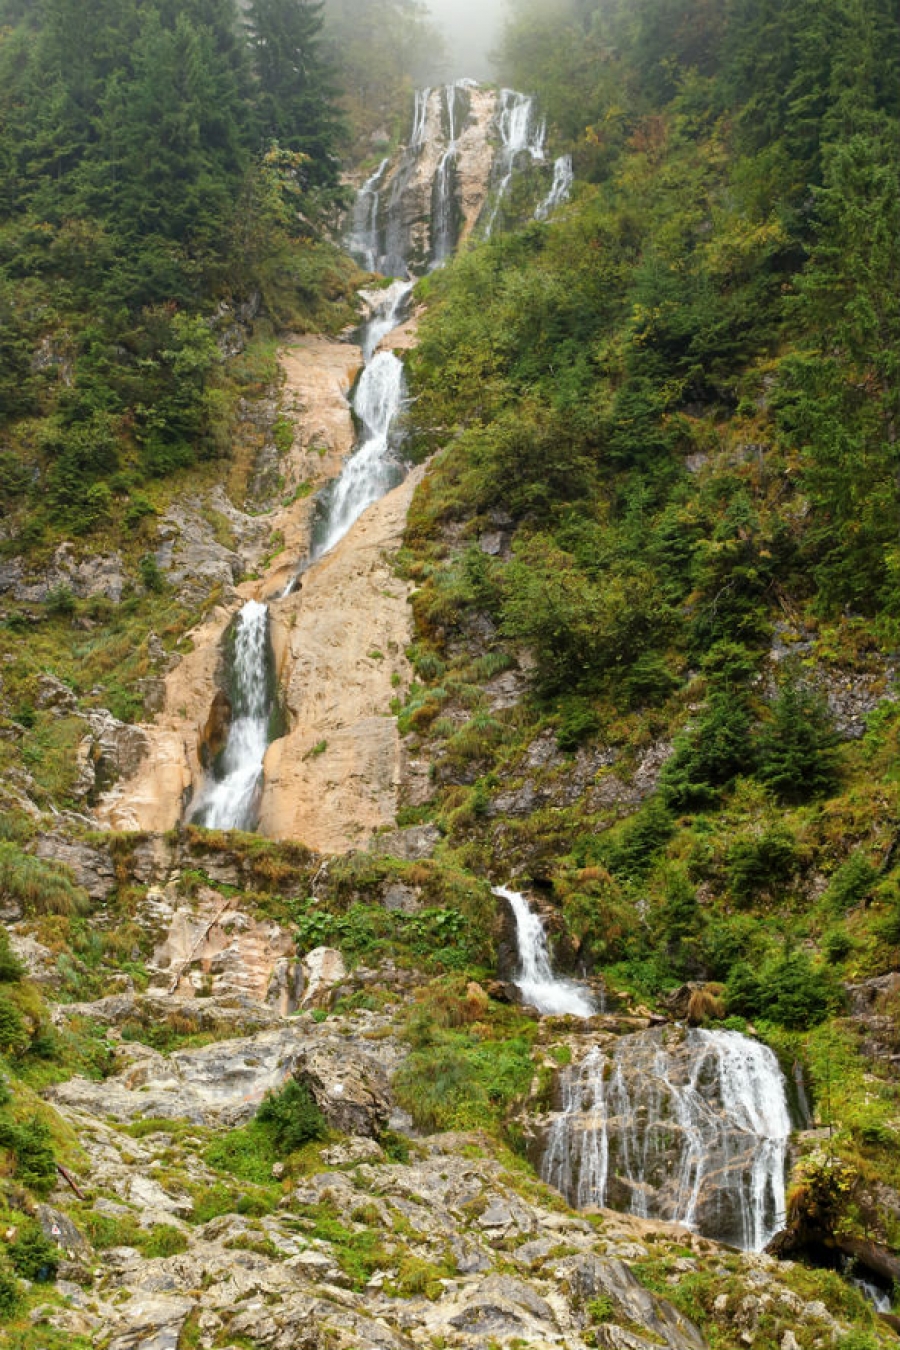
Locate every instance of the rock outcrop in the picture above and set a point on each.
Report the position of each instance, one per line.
(340, 641)
(151, 795)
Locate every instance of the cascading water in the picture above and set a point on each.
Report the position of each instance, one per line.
(386, 315)
(443, 212)
(373, 469)
(363, 239)
(538, 985)
(563, 178)
(520, 133)
(230, 795)
(692, 1127)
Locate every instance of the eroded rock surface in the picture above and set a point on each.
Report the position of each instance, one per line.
(151, 795)
(341, 640)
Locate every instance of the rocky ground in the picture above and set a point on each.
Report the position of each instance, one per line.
(186, 1233)
(404, 1242)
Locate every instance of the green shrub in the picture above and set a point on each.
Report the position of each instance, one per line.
(837, 944)
(760, 863)
(630, 854)
(10, 1293)
(11, 968)
(31, 1254)
(151, 576)
(730, 940)
(577, 722)
(798, 749)
(851, 883)
(788, 990)
(710, 757)
(39, 887)
(458, 1082)
(31, 1145)
(14, 1035)
(60, 602)
(292, 1116)
(164, 1239)
(600, 1309)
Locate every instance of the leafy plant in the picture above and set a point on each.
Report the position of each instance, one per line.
(292, 1116)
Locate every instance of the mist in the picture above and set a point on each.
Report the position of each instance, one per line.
(472, 28)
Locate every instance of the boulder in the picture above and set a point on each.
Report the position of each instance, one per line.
(588, 1277)
(91, 864)
(323, 971)
(59, 1228)
(350, 1088)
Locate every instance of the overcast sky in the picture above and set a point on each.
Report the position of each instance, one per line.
(472, 28)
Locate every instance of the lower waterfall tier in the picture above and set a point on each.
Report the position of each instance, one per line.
(686, 1126)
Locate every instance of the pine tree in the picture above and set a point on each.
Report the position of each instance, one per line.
(297, 91)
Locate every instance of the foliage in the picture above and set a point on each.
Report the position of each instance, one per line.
(31, 1254)
(292, 1116)
(457, 1076)
(40, 887)
(787, 990)
(29, 1142)
(798, 748)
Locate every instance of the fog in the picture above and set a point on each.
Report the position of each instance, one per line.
(471, 28)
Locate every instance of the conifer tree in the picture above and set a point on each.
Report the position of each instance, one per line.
(297, 92)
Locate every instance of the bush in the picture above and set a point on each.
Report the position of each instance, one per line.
(763, 863)
(11, 968)
(14, 1035)
(9, 1292)
(292, 1116)
(60, 602)
(40, 887)
(31, 1254)
(711, 756)
(798, 750)
(851, 883)
(788, 990)
(31, 1145)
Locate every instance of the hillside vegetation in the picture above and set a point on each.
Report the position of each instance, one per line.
(665, 439)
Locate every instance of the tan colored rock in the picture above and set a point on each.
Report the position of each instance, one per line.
(215, 948)
(323, 969)
(340, 642)
(318, 375)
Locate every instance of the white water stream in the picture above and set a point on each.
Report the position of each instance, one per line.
(229, 798)
(373, 469)
(362, 242)
(520, 133)
(692, 1128)
(538, 985)
(560, 188)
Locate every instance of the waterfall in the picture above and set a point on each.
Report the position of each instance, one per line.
(230, 794)
(372, 469)
(563, 178)
(363, 239)
(443, 211)
(519, 133)
(692, 1128)
(420, 119)
(386, 315)
(537, 983)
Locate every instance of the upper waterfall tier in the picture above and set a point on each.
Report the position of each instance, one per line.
(465, 146)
